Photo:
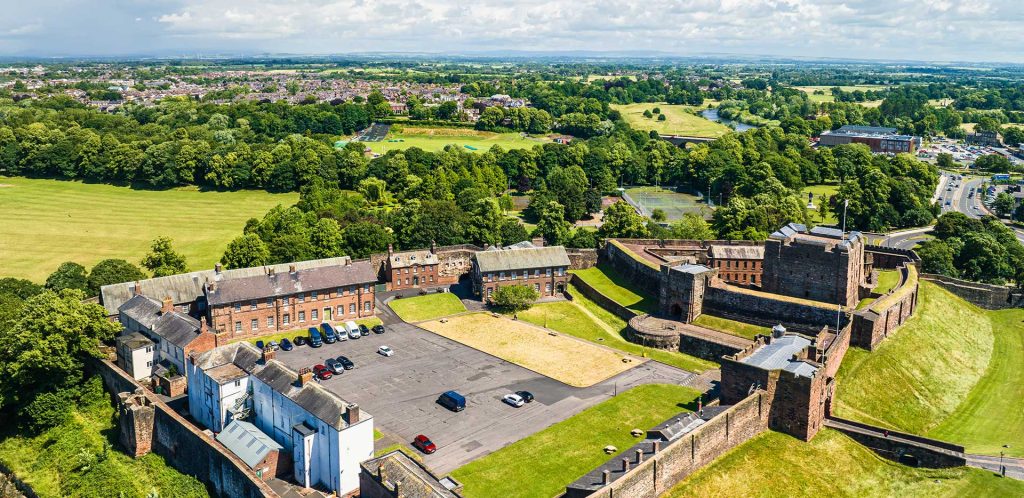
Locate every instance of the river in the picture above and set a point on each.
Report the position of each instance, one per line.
(712, 114)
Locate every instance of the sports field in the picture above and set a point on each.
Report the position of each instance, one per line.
(435, 139)
(773, 464)
(827, 97)
(678, 120)
(47, 222)
(954, 372)
(674, 204)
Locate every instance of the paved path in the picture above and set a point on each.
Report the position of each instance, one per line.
(1014, 466)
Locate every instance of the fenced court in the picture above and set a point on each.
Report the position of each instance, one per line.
(674, 204)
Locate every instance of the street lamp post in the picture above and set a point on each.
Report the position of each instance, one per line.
(1002, 468)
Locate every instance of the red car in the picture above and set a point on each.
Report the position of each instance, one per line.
(424, 444)
(322, 372)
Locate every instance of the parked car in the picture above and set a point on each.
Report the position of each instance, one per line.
(514, 400)
(385, 350)
(526, 395)
(335, 367)
(378, 329)
(301, 341)
(260, 345)
(286, 345)
(452, 401)
(353, 330)
(345, 362)
(314, 337)
(364, 330)
(330, 336)
(273, 345)
(424, 444)
(322, 372)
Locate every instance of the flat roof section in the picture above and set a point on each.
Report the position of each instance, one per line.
(778, 355)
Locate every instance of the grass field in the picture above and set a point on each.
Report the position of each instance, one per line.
(887, 280)
(673, 203)
(954, 372)
(435, 139)
(679, 120)
(47, 222)
(427, 307)
(542, 464)
(827, 97)
(773, 464)
(562, 358)
(818, 191)
(731, 326)
(607, 281)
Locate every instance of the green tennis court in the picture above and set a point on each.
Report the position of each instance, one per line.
(673, 203)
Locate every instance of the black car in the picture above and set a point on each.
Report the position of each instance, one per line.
(300, 341)
(345, 362)
(286, 345)
(378, 329)
(364, 330)
(526, 395)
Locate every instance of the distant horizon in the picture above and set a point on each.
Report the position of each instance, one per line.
(863, 30)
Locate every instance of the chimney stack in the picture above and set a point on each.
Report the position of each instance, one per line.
(606, 477)
(168, 305)
(625, 465)
(391, 250)
(639, 455)
(217, 268)
(270, 271)
(291, 268)
(138, 288)
(268, 354)
(353, 413)
(655, 446)
(433, 247)
(305, 376)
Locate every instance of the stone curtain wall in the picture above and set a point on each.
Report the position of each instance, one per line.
(872, 325)
(991, 297)
(643, 274)
(925, 452)
(185, 447)
(889, 258)
(765, 311)
(599, 298)
(680, 458)
(581, 259)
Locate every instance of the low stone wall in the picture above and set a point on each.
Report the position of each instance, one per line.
(889, 257)
(991, 297)
(185, 447)
(705, 348)
(581, 259)
(908, 449)
(764, 310)
(12, 487)
(887, 313)
(660, 471)
(598, 297)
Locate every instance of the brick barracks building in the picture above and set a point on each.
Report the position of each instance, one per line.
(739, 265)
(543, 268)
(411, 269)
(273, 302)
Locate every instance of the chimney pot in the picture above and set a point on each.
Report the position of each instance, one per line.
(353, 413)
(138, 288)
(270, 270)
(268, 354)
(625, 465)
(655, 446)
(217, 268)
(167, 306)
(606, 477)
(391, 249)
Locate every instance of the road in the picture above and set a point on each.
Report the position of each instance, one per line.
(1014, 466)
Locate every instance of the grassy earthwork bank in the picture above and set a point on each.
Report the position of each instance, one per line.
(679, 120)
(733, 327)
(433, 139)
(304, 331)
(543, 464)
(954, 372)
(47, 222)
(79, 457)
(609, 282)
(427, 306)
(773, 464)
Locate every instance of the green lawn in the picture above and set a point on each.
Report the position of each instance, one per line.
(303, 331)
(773, 464)
(607, 281)
(953, 372)
(887, 281)
(731, 326)
(80, 457)
(679, 120)
(612, 335)
(435, 139)
(542, 464)
(427, 307)
(827, 190)
(47, 222)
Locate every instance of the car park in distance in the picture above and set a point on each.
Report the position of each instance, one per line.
(286, 345)
(526, 395)
(322, 372)
(385, 350)
(378, 329)
(514, 400)
(345, 362)
(424, 444)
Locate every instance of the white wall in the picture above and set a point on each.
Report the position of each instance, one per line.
(141, 362)
(208, 401)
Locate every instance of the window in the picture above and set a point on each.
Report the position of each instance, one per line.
(536, 272)
(501, 276)
(352, 308)
(238, 306)
(561, 272)
(238, 326)
(547, 287)
(547, 272)
(513, 275)
(149, 349)
(341, 291)
(431, 279)
(406, 280)
(149, 364)
(366, 287)
(270, 321)
(312, 296)
(341, 309)
(536, 287)
(286, 319)
(526, 274)
(315, 314)
(366, 306)
(415, 270)
(254, 324)
(406, 271)
(301, 297)
(302, 316)
(238, 383)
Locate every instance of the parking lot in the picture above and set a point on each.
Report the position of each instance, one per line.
(400, 391)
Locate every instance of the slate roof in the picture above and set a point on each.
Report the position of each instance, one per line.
(134, 340)
(176, 327)
(737, 252)
(409, 258)
(247, 442)
(778, 355)
(187, 287)
(521, 258)
(283, 284)
(415, 478)
(818, 235)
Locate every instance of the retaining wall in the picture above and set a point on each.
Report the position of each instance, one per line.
(991, 297)
(901, 447)
(581, 259)
(602, 300)
(640, 272)
(887, 313)
(764, 310)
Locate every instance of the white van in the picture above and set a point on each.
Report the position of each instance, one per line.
(353, 329)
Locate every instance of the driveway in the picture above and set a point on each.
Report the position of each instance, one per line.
(400, 391)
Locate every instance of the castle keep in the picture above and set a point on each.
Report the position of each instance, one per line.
(820, 264)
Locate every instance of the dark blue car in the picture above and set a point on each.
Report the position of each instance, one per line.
(286, 345)
(330, 336)
(260, 345)
(314, 337)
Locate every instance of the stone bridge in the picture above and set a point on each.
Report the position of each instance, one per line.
(907, 449)
(681, 141)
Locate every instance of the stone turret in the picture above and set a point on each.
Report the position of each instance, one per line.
(135, 415)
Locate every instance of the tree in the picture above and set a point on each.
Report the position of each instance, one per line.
(945, 160)
(661, 117)
(69, 275)
(936, 257)
(325, 237)
(246, 251)
(692, 227)
(163, 260)
(621, 220)
(1004, 204)
(515, 298)
(647, 114)
(552, 225)
(658, 215)
(513, 231)
(360, 240)
(994, 163)
(112, 271)
(569, 186)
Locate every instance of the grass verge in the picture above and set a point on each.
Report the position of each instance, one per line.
(427, 306)
(303, 331)
(733, 327)
(545, 462)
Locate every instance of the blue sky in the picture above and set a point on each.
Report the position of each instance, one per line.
(938, 30)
